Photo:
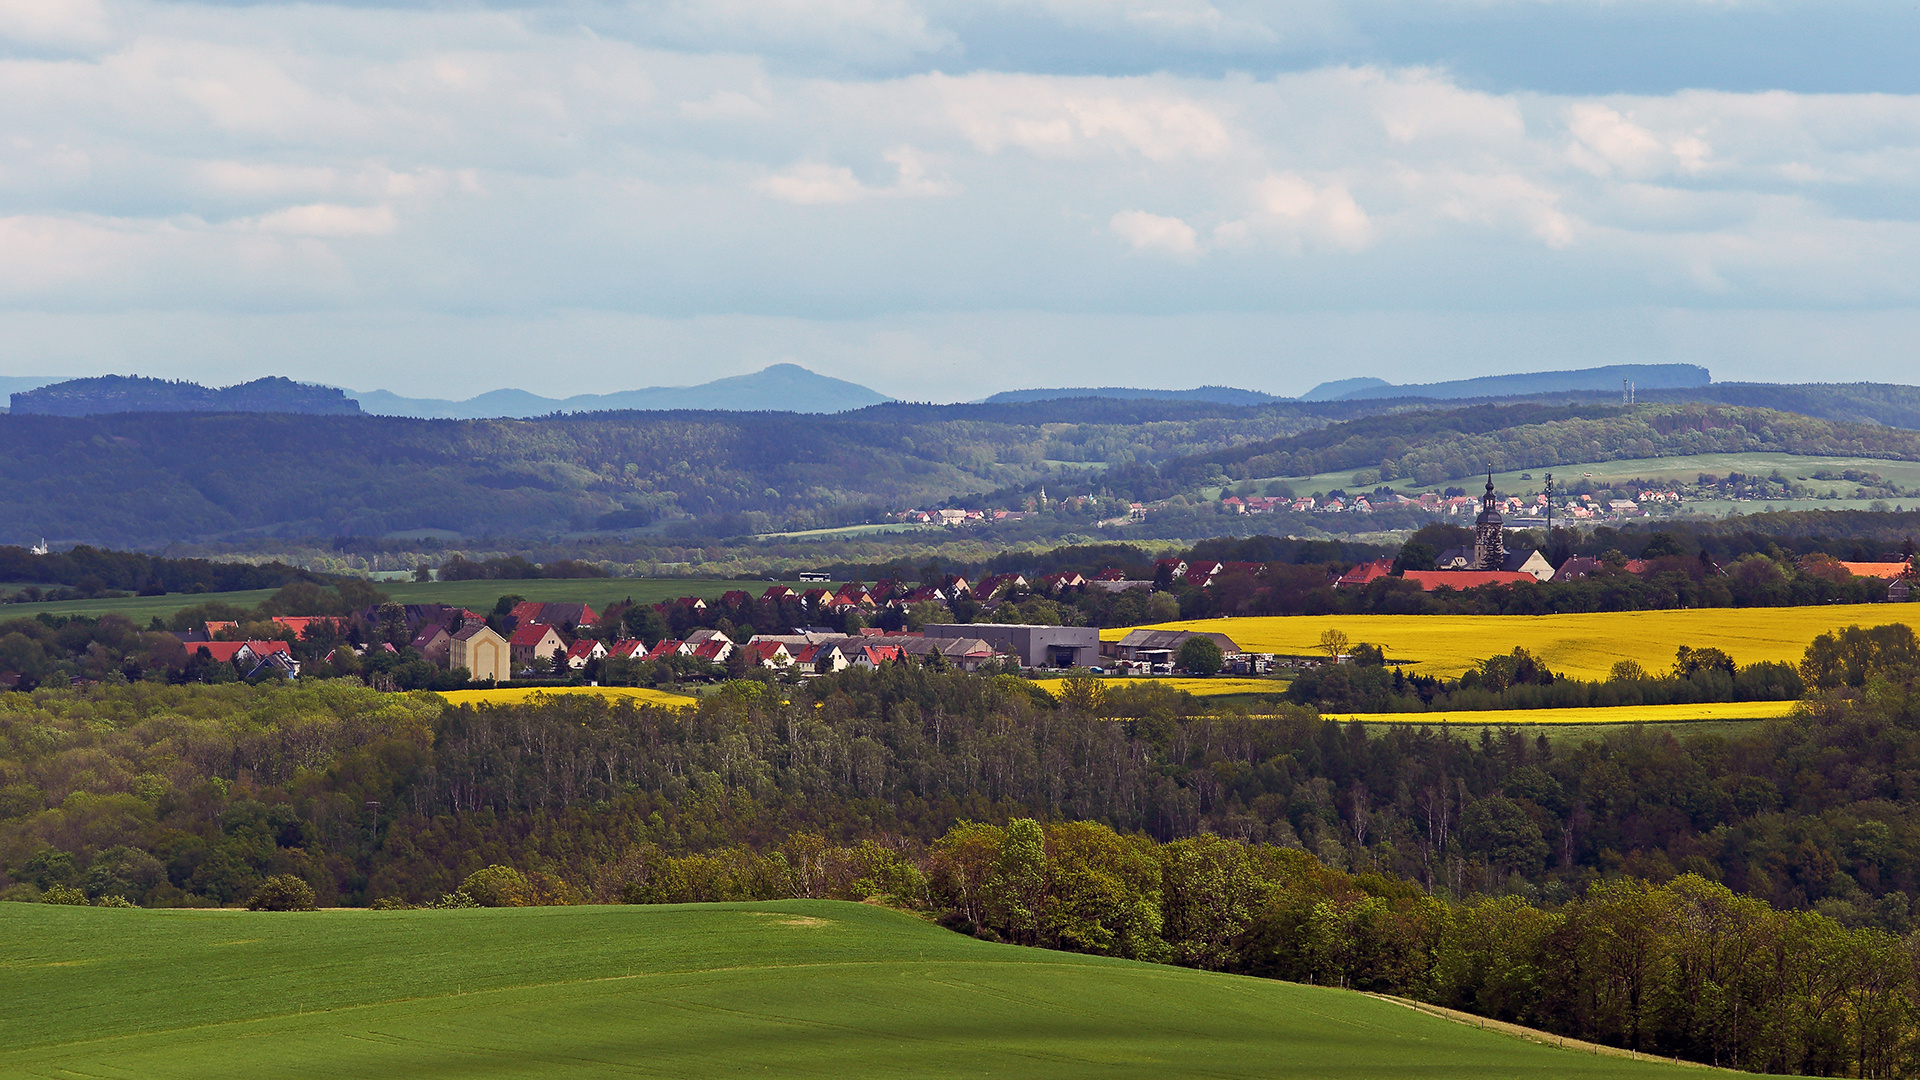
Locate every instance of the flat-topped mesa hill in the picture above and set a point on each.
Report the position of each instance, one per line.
(139, 394)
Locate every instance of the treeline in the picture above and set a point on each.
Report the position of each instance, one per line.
(1685, 968)
(1434, 446)
(155, 478)
(90, 571)
(1518, 681)
(1806, 813)
(1616, 890)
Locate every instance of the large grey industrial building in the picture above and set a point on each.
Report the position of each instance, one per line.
(1036, 646)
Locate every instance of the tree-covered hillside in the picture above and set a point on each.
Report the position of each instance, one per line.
(1433, 447)
(145, 479)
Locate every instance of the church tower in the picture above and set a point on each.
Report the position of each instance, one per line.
(1489, 533)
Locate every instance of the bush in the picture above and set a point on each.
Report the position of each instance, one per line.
(498, 886)
(454, 901)
(282, 892)
(64, 894)
(389, 903)
(113, 900)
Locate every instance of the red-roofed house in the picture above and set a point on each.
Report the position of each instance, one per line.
(778, 593)
(1430, 580)
(767, 654)
(628, 649)
(872, 656)
(584, 650)
(668, 647)
(300, 624)
(738, 598)
(1884, 570)
(823, 659)
(534, 643)
(1365, 572)
(714, 650)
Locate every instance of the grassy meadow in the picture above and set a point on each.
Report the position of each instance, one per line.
(1686, 468)
(478, 595)
(788, 988)
(1581, 646)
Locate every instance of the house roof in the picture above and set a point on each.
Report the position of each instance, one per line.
(713, 648)
(1464, 579)
(533, 634)
(1367, 571)
(666, 647)
(583, 649)
(1173, 639)
(473, 630)
(427, 635)
(1875, 569)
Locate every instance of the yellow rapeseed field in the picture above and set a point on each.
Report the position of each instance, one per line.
(1621, 714)
(513, 695)
(1578, 646)
(1209, 687)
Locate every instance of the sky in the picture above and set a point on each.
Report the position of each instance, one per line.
(942, 200)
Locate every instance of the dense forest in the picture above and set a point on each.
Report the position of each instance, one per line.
(1436, 446)
(155, 478)
(1575, 886)
(137, 393)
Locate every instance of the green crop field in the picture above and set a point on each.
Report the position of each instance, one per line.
(793, 988)
(479, 595)
(1905, 474)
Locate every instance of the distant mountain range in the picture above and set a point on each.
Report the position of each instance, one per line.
(139, 394)
(1643, 377)
(1224, 395)
(780, 388)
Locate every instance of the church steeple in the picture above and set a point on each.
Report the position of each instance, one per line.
(1489, 533)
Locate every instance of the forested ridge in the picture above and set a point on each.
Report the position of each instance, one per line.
(154, 478)
(1559, 885)
(1435, 446)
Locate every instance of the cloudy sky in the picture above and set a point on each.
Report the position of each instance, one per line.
(944, 199)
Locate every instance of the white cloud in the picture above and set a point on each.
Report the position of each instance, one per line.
(330, 219)
(276, 157)
(1155, 232)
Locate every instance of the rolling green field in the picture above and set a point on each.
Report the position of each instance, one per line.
(1905, 474)
(478, 595)
(792, 988)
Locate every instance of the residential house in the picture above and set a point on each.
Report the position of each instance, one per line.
(1429, 580)
(433, 643)
(779, 594)
(584, 650)
(766, 654)
(553, 614)
(821, 659)
(1364, 573)
(1577, 568)
(485, 654)
(713, 650)
(738, 598)
(628, 649)
(668, 647)
(870, 657)
(534, 644)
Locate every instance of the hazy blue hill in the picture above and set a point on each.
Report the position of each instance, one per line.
(1340, 388)
(136, 393)
(1644, 376)
(1224, 395)
(780, 388)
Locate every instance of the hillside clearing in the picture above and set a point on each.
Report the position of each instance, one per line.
(794, 988)
(1583, 646)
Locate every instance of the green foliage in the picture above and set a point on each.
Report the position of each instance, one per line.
(282, 892)
(498, 886)
(1200, 656)
(61, 894)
